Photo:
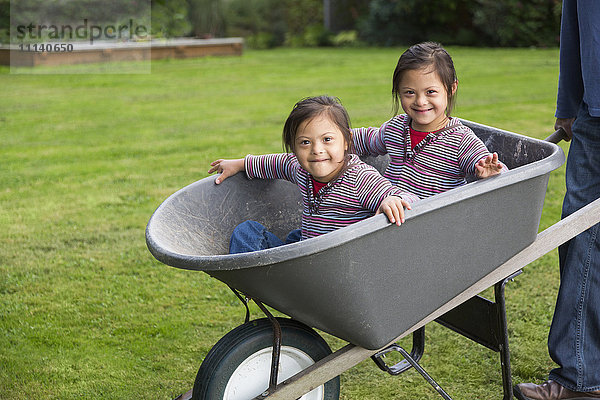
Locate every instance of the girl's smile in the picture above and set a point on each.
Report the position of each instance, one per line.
(424, 98)
(320, 148)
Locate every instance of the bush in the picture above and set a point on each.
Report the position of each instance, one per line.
(462, 22)
(206, 18)
(313, 36)
(317, 35)
(344, 14)
(346, 39)
(302, 15)
(4, 21)
(402, 22)
(261, 22)
(170, 18)
(519, 23)
(262, 40)
(270, 23)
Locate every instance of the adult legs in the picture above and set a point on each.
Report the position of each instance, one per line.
(574, 339)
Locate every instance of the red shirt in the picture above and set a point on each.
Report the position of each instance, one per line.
(417, 136)
(317, 186)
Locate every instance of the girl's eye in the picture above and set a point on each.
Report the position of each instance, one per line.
(304, 142)
(327, 139)
(431, 91)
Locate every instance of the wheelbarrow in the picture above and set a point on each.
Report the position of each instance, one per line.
(369, 284)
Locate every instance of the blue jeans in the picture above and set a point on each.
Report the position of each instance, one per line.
(253, 236)
(574, 339)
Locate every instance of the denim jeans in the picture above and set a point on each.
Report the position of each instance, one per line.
(253, 236)
(574, 339)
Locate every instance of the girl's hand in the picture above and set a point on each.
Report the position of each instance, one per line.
(226, 168)
(488, 166)
(393, 207)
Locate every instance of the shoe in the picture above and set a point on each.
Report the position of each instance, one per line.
(550, 390)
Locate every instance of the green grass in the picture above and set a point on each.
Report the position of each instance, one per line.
(86, 312)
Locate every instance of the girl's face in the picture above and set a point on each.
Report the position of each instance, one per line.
(320, 148)
(424, 99)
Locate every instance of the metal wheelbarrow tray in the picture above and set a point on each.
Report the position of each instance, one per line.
(370, 282)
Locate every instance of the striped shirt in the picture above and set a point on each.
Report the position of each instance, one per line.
(440, 162)
(353, 196)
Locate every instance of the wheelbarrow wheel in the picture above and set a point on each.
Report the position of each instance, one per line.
(239, 365)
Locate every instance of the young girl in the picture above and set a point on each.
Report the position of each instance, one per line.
(430, 151)
(337, 188)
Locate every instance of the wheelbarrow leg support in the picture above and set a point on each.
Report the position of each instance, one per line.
(276, 340)
(478, 319)
(245, 300)
(418, 347)
(410, 361)
(484, 322)
(276, 349)
(424, 373)
(503, 339)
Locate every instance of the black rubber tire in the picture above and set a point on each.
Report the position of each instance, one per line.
(245, 340)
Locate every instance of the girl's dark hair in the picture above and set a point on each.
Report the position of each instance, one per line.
(424, 55)
(311, 107)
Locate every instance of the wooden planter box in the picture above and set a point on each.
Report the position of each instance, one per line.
(127, 51)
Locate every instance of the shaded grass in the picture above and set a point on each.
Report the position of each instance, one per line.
(85, 311)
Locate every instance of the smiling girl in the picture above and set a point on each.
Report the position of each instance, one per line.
(430, 151)
(338, 189)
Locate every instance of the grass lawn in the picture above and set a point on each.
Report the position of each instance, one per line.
(85, 310)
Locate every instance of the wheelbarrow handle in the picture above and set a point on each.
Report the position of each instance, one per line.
(557, 136)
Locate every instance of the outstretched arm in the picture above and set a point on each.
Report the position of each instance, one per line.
(393, 207)
(488, 166)
(368, 141)
(226, 168)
